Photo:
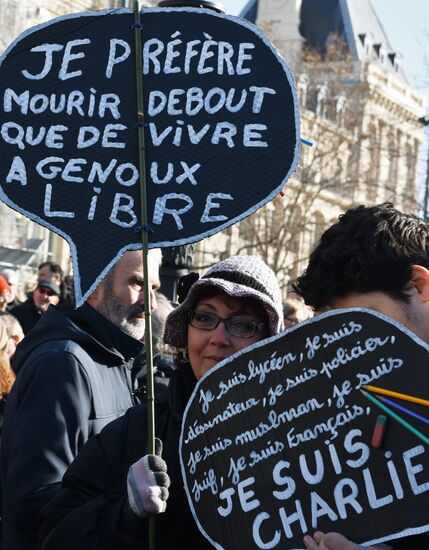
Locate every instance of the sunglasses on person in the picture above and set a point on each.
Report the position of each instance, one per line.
(235, 325)
(43, 290)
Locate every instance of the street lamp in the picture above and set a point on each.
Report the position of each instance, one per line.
(177, 260)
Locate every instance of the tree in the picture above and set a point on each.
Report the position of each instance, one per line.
(366, 150)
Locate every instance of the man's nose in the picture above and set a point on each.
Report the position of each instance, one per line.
(152, 294)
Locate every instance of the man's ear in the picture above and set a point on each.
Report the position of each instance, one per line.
(96, 297)
(419, 279)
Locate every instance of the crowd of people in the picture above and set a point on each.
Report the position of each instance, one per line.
(75, 471)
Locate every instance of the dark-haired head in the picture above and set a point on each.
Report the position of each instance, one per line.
(370, 248)
(50, 270)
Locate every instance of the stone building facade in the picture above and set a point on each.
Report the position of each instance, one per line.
(31, 242)
(356, 107)
(361, 115)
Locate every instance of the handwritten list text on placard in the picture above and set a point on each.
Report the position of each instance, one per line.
(278, 440)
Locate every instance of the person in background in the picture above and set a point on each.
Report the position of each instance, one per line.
(47, 292)
(163, 363)
(14, 331)
(53, 271)
(295, 311)
(113, 485)
(67, 291)
(5, 294)
(75, 374)
(164, 360)
(7, 376)
(159, 317)
(50, 271)
(12, 279)
(374, 257)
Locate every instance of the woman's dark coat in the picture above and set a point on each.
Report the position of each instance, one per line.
(89, 509)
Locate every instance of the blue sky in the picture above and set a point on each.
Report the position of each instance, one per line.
(407, 26)
(408, 32)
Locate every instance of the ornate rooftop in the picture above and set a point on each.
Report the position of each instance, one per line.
(354, 20)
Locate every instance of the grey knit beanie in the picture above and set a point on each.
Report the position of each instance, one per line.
(237, 276)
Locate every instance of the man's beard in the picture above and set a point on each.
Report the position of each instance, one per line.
(129, 320)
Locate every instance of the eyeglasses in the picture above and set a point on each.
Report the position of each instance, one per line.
(236, 326)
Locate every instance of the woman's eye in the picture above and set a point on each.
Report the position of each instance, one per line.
(203, 317)
(242, 324)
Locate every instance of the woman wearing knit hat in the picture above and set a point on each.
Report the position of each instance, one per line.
(242, 285)
(113, 485)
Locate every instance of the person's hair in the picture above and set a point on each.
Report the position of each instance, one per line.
(292, 306)
(7, 376)
(53, 267)
(160, 314)
(13, 326)
(67, 291)
(370, 248)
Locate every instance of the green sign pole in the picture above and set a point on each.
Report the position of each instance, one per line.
(145, 244)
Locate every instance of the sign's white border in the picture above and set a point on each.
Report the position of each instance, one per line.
(80, 298)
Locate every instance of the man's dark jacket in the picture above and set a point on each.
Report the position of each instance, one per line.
(75, 374)
(27, 314)
(88, 511)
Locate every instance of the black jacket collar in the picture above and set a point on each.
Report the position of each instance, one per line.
(100, 338)
(105, 332)
(182, 385)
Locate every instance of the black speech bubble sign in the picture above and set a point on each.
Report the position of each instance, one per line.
(221, 129)
(282, 429)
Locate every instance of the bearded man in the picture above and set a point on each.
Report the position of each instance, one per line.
(75, 374)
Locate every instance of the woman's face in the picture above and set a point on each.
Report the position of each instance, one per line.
(208, 347)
